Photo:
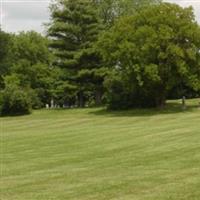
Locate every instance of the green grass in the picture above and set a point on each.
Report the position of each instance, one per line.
(93, 154)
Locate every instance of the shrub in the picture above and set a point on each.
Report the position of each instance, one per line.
(15, 101)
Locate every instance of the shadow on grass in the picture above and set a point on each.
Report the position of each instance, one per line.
(15, 115)
(170, 108)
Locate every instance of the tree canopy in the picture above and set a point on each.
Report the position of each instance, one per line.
(154, 51)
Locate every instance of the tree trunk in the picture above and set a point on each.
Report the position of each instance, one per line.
(81, 102)
(98, 97)
(161, 101)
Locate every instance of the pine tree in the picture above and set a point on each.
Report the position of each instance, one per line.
(74, 29)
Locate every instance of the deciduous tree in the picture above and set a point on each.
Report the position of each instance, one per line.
(153, 51)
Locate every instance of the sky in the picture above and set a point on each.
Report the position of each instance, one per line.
(24, 15)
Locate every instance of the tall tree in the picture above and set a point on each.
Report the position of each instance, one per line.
(74, 28)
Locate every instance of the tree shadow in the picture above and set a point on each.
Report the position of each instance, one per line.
(170, 108)
(15, 115)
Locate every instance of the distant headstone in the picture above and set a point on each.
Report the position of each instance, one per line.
(184, 103)
(66, 106)
(47, 106)
(52, 103)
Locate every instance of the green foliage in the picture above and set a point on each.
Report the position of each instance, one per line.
(120, 94)
(111, 10)
(141, 51)
(74, 30)
(117, 95)
(33, 65)
(26, 69)
(154, 51)
(37, 76)
(65, 93)
(31, 46)
(5, 55)
(15, 100)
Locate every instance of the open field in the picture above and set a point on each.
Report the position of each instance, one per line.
(92, 154)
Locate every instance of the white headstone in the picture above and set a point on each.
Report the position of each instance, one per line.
(52, 103)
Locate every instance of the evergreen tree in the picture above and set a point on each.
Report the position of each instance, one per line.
(74, 29)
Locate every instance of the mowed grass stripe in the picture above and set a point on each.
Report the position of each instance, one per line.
(94, 154)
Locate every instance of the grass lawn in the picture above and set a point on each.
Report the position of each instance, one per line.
(93, 154)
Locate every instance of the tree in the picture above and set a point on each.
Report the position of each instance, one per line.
(5, 56)
(15, 100)
(25, 61)
(74, 29)
(32, 64)
(154, 51)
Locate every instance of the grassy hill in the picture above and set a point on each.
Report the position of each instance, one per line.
(93, 154)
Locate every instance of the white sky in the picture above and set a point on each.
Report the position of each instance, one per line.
(19, 15)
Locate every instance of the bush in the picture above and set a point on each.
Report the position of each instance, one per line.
(15, 101)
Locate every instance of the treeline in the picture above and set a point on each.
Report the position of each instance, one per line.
(121, 53)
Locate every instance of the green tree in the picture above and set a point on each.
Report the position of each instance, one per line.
(15, 100)
(31, 46)
(154, 51)
(74, 29)
(5, 56)
(33, 64)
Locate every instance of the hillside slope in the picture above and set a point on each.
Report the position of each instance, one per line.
(93, 154)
